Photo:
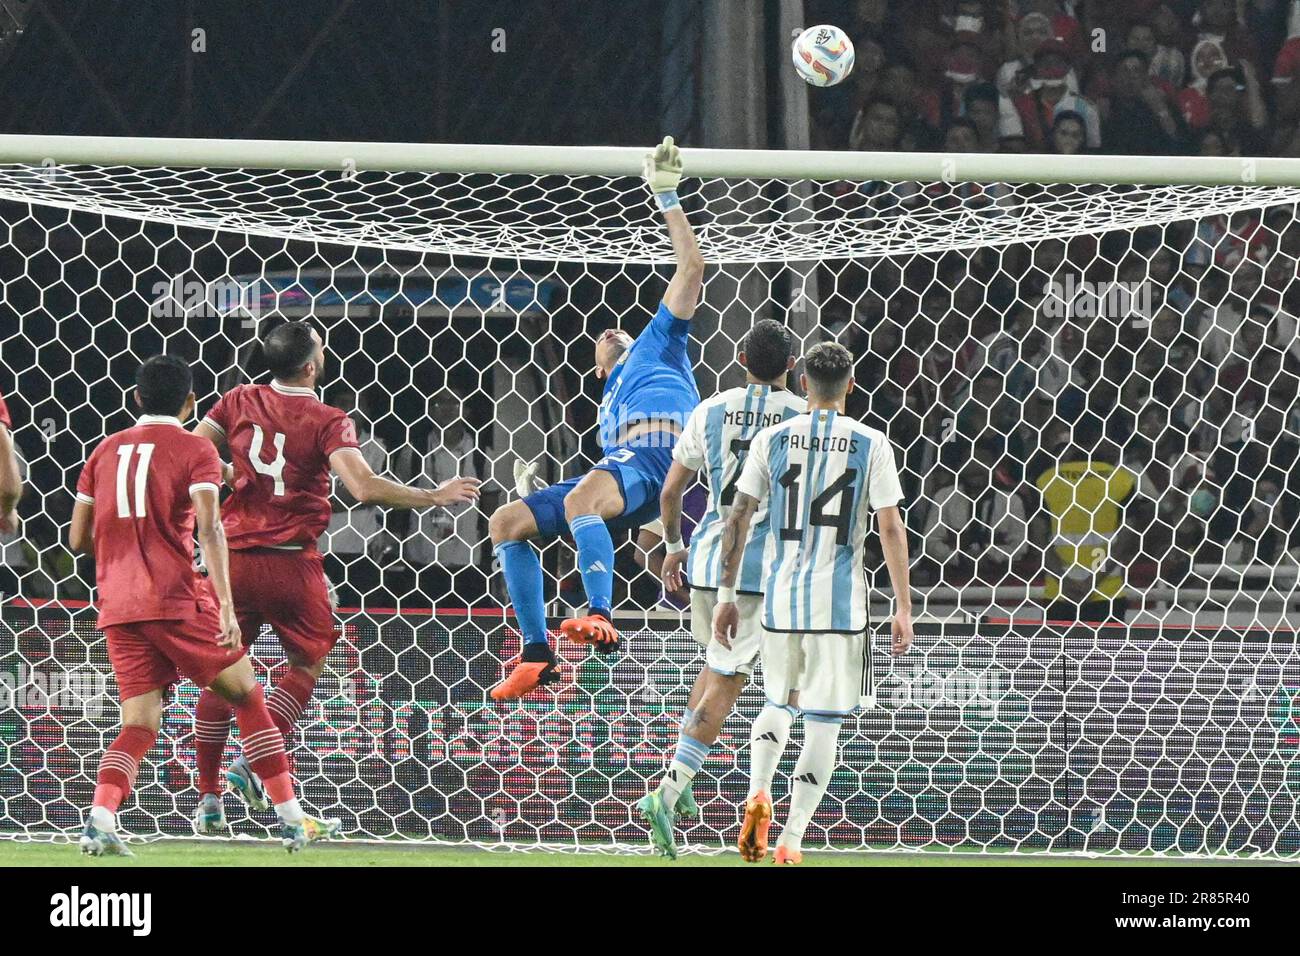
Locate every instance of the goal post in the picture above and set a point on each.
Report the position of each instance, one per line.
(1089, 366)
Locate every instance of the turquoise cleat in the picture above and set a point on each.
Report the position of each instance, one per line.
(246, 785)
(210, 817)
(95, 842)
(294, 837)
(687, 808)
(660, 819)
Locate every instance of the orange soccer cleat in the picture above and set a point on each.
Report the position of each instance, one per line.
(753, 831)
(594, 629)
(786, 855)
(537, 667)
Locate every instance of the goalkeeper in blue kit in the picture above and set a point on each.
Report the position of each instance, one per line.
(649, 393)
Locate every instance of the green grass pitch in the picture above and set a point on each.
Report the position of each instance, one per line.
(241, 853)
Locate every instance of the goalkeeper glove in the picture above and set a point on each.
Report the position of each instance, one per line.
(663, 171)
(526, 480)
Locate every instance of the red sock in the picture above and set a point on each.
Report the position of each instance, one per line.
(120, 764)
(262, 742)
(211, 731)
(289, 698)
(279, 788)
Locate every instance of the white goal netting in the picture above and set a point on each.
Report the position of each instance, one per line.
(1095, 394)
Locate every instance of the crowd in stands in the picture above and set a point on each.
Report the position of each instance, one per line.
(1208, 77)
(1049, 436)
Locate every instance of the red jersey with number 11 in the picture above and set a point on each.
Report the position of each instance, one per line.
(140, 481)
(280, 439)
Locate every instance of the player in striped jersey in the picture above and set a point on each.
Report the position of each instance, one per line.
(821, 476)
(715, 439)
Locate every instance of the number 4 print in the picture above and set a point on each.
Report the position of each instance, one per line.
(274, 468)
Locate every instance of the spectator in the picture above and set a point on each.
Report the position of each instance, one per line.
(355, 542)
(1069, 134)
(1165, 62)
(1050, 94)
(1236, 107)
(983, 106)
(1015, 75)
(1138, 117)
(1207, 59)
(443, 544)
(1084, 530)
(1218, 22)
(876, 126)
(976, 525)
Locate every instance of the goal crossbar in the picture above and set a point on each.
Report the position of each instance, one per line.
(823, 166)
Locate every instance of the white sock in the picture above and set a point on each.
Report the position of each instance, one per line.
(812, 774)
(767, 740)
(290, 811)
(686, 763)
(103, 819)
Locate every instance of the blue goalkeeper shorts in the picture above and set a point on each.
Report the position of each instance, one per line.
(640, 473)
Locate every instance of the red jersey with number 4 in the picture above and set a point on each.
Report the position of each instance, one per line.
(280, 440)
(140, 481)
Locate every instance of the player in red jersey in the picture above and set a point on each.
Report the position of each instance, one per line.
(139, 498)
(284, 443)
(11, 479)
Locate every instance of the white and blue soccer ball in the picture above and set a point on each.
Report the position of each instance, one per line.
(823, 55)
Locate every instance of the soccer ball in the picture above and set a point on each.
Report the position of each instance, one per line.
(823, 55)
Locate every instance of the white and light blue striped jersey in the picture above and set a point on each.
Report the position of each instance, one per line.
(715, 441)
(821, 475)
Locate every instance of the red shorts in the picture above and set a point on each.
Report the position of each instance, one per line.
(152, 655)
(287, 590)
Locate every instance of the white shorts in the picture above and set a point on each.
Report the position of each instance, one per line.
(826, 669)
(745, 645)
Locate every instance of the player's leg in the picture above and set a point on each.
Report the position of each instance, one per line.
(596, 499)
(728, 669)
(141, 716)
(783, 664)
(687, 808)
(212, 720)
(263, 746)
(830, 689)
(143, 672)
(302, 614)
(512, 528)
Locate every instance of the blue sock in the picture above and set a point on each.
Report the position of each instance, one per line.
(523, 571)
(595, 560)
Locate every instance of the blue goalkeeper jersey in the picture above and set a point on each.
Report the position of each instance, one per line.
(652, 381)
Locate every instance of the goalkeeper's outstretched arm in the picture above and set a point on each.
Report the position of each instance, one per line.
(663, 171)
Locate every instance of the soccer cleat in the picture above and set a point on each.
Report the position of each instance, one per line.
(246, 785)
(210, 817)
(594, 629)
(95, 842)
(537, 667)
(687, 808)
(753, 831)
(294, 837)
(321, 829)
(660, 819)
(787, 856)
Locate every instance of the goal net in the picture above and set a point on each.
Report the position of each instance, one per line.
(1091, 371)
